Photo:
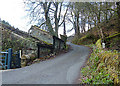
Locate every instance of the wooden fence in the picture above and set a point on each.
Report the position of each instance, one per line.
(9, 60)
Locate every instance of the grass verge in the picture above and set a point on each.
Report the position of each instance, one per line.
(102, 67)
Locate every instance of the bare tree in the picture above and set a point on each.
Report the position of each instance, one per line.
(50, 11)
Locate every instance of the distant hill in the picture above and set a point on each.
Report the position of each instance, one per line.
(5, 23)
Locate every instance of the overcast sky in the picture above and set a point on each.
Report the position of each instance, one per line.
(13, 11)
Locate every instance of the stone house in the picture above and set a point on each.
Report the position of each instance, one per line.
(43, 35)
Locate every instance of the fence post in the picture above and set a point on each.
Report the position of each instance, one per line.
(59, 45)
(38, 50)
(65, 44)
(6, 55)
(19, 59)
(54, 42)
(20, 53)
(9, 58)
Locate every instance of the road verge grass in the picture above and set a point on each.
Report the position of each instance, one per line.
(102, 67)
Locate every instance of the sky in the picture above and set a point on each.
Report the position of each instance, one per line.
(13, 11)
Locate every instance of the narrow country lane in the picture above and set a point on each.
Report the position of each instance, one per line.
(64, 69)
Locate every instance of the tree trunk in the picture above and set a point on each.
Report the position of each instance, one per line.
(89, 25)
(64, 28)
(56, 20)
(106, 11)
(48, 22)
(74, 26)
(98, 25)
(118, 12)
(77, 25)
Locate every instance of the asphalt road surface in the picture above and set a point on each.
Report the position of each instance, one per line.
(63, 69)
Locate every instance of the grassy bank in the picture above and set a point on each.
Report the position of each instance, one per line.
(102, 67)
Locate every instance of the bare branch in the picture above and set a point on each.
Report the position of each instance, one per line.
(70, 20)
(42, 24)
(64, 16)
(60, 11)
(70, 30)
(51, 9)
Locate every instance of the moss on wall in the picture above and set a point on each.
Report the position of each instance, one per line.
(41, 34)
(87, 39)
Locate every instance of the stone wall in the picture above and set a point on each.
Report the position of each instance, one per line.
(17, 42)
(41, 34)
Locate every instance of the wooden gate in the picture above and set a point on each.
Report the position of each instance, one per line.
(10, 60)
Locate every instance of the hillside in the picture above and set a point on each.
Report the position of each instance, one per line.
(109, 28)
(103, 64)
